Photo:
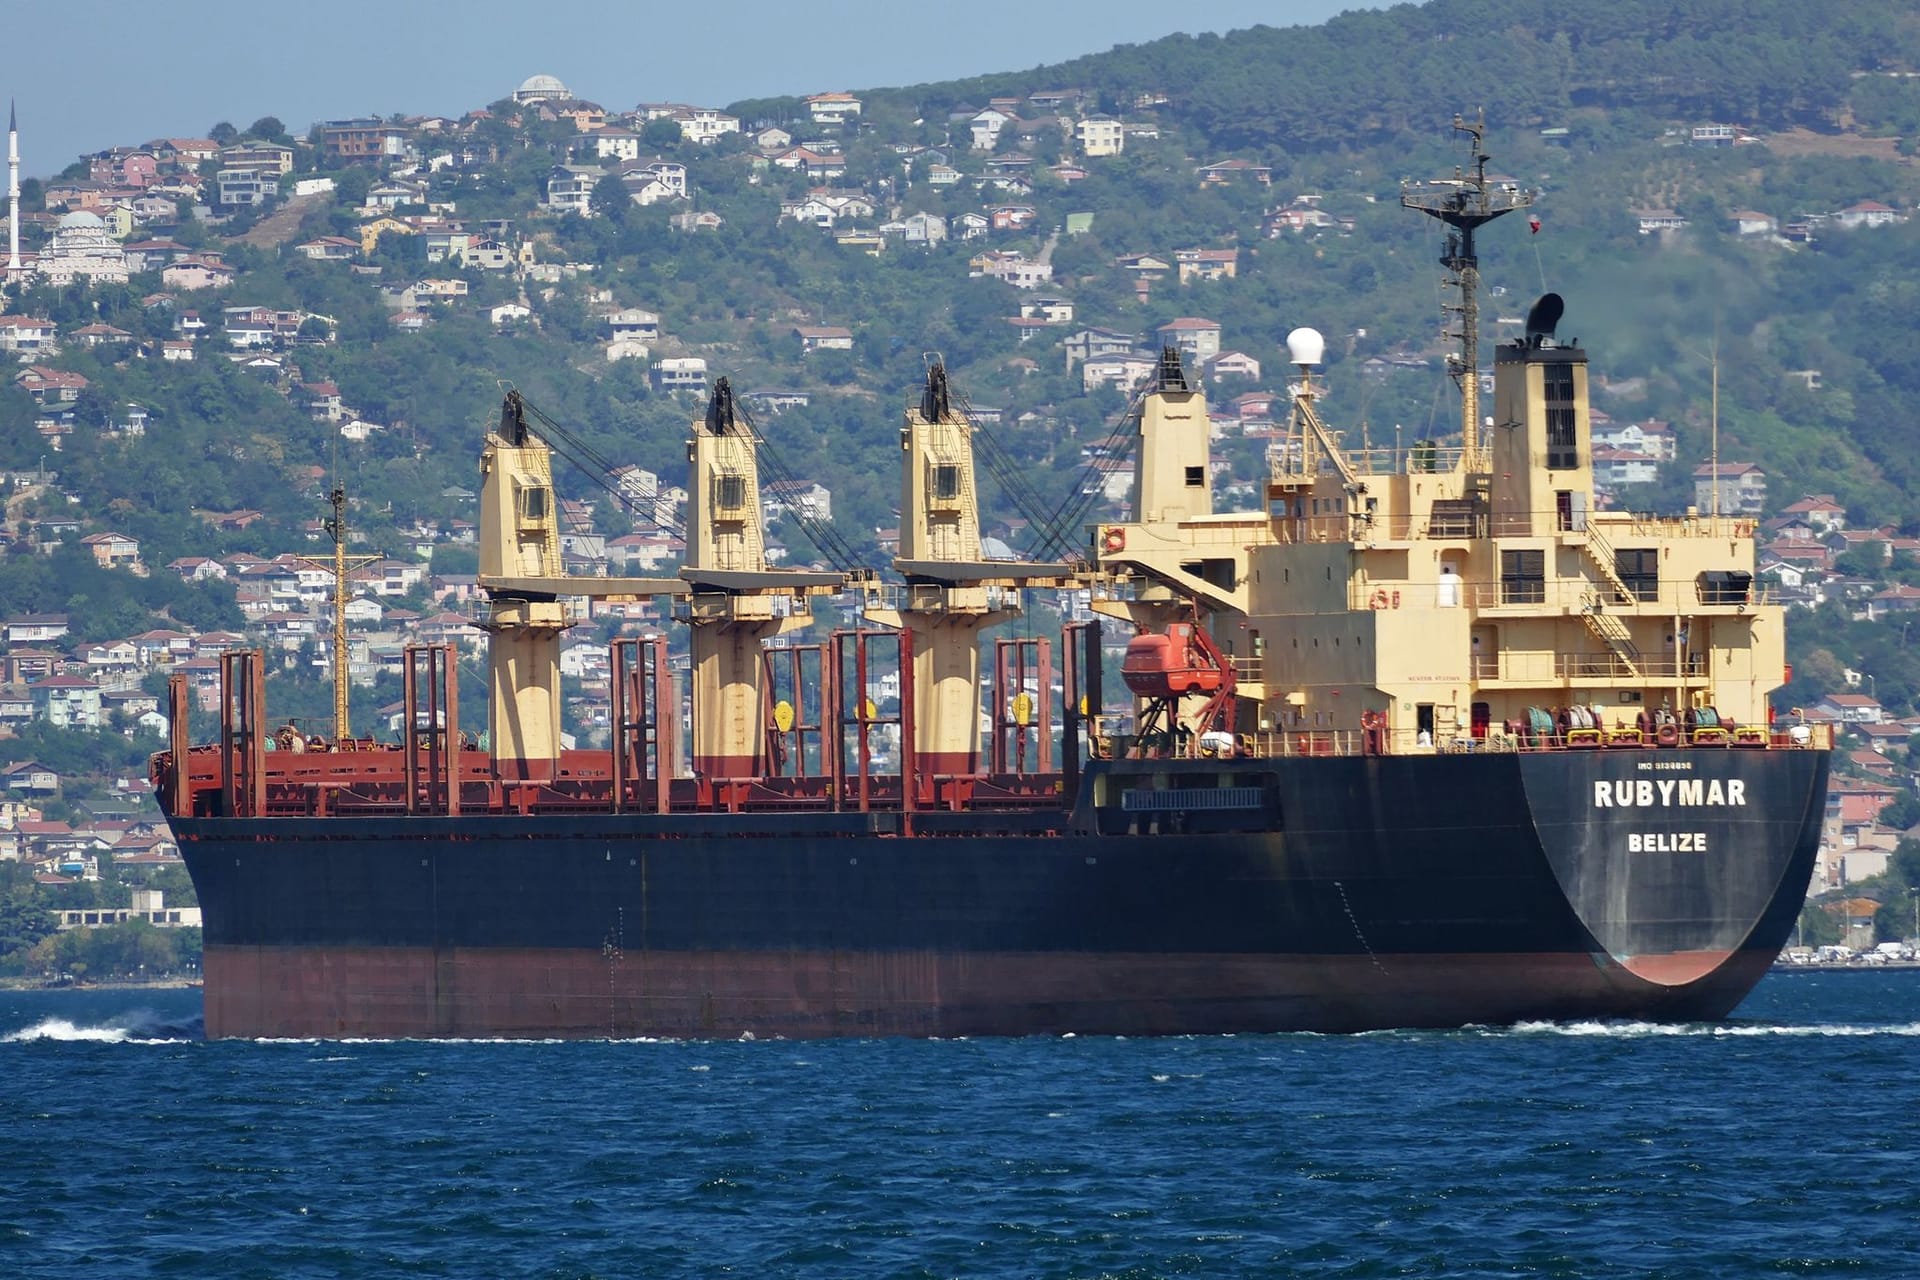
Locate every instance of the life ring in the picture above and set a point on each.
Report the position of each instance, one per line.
(1115, 541)
(1380, 599)
(1373, 719)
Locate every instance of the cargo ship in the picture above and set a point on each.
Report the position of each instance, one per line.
(1425, 740)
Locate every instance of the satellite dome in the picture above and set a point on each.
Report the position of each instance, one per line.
(540, 87)
(1306, 346)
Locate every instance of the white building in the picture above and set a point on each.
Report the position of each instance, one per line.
(82, 250)
(1100, 136)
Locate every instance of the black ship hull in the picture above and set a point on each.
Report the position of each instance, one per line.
(1331, 894)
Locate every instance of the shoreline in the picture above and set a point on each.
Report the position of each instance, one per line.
(1842, 966)
(110, 985)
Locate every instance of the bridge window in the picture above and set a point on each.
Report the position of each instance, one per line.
(1563, 450)
(1639, 568)
(1523, 577)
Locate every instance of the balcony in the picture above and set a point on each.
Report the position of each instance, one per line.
(1570, 668)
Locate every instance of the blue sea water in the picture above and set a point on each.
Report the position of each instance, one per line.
(1785, 1141)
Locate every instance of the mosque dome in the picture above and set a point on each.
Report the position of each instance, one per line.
(81, 220)
(535, 87)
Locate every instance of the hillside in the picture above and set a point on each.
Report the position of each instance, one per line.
(816, 253)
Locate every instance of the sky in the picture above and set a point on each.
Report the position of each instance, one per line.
(98, 73)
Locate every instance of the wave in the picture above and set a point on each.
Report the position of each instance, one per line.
(1634, 1029)
(142, 1027)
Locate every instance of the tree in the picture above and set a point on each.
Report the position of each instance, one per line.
(662, 133)
(22, 924)
(223, 133)
(609, 199)
(269, 129)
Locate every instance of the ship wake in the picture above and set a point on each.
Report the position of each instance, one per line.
(1633, 1030)
(139, 1027)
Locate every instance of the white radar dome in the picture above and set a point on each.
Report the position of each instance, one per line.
(1306, 346)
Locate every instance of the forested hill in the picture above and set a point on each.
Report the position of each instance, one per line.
(1374, 76)
(1278, 153)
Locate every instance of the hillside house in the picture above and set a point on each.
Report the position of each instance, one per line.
(823, 338)
(50, 386)
(362, 141)
(1223, 172)
(1851, 708)
(1099, 136)
(610, 142)
(680, 373)
(1123, 372)
(1230, 364)
(832, 108)
(191, 274)
(702, 125)
(67, 702)
(33, 628)
(114, 551)
(570, 189)
(1207, 264)
(984, 127)
(1652, 439)
(807, 499)
(1659, 221)
(1738, 488)
(1095, 343)
(635, 323)
(1821, 512)
(1199, 338)
(330, 249)
(1012, 217)
(1613, 467)
(1868, 213)
(917, 228)
(28, 336)
(101, 335)
(30, 778)
(1899, 598)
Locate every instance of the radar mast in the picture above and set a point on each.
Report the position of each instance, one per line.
(1465, 202)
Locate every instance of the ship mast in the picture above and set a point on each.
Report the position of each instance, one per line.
(341, 563)
(337, 529)
(1464, 202)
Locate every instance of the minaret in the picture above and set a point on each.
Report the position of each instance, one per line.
(13, 192)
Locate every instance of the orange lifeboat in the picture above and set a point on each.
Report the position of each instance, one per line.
(1172, 664)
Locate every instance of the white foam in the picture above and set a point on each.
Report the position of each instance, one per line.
(1639, 1029)
(60, 1029)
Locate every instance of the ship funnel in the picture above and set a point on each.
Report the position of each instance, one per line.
(1306, 347)
(1543, 317)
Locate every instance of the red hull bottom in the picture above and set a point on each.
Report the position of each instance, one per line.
(393, 992)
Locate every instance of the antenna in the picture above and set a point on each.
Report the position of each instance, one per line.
(336, 527)
(1713, 443)
(1465, 202)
